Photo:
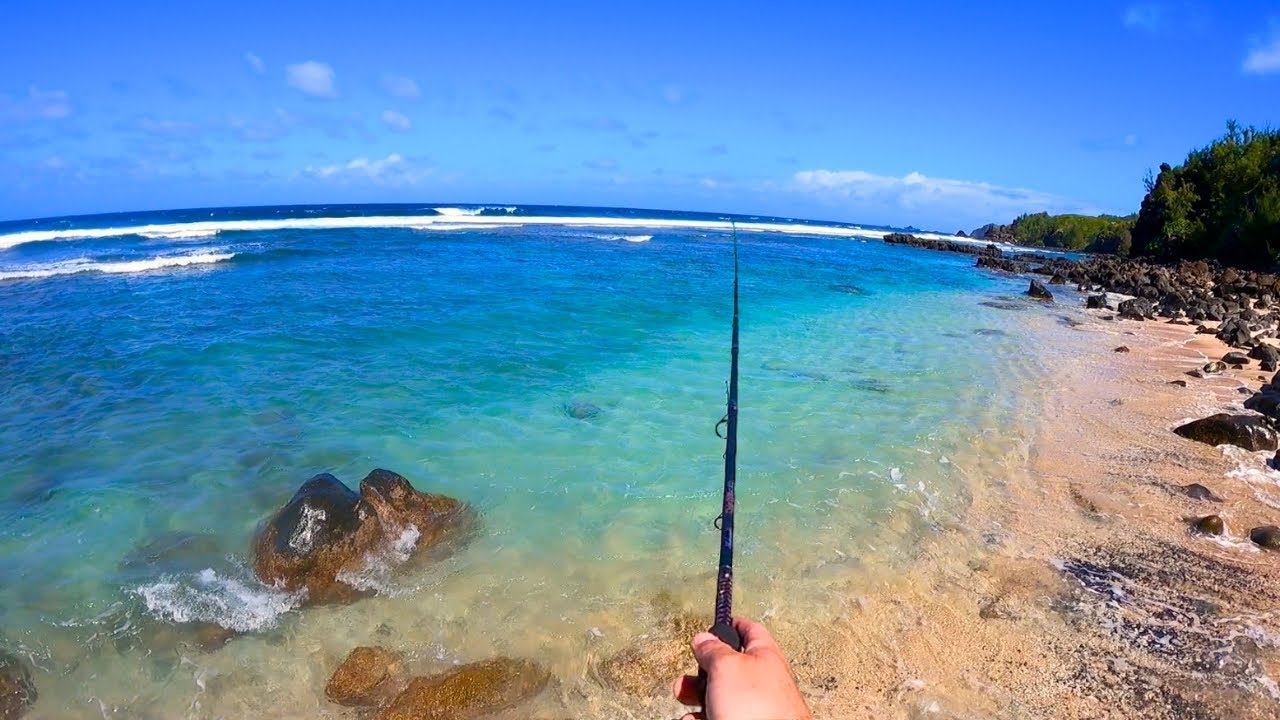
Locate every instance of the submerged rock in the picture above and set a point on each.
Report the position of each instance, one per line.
(581, 410)
(1250, 432)
(1196, 491)
(1038, 291)
(470, 691)
(17, 688)
(1267, 536)
(326, 529)
(370, 676)
(1209, 525)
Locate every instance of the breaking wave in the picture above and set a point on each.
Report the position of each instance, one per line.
(246, 606)
(85, 265)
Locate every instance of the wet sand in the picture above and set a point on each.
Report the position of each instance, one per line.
(1075, 589)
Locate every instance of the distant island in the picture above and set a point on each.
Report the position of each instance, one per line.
(1222, 203)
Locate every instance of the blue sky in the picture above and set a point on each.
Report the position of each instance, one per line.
(924, 113)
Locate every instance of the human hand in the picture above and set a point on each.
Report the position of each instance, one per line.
(755, 684)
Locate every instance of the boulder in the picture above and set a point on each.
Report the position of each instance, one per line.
(1267, 536)
(1038, 291)
(370, 676)
(1235, 357)
(1196, 491)
(326, 529)
(1235, 332)
(470, 691)
(1096, 302)
(1209, 525)
(1250, 432)
(1136, 309)
(1057, 280)
(1267, 355)
(17, 688)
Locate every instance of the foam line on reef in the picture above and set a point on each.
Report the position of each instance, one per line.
(84, 265)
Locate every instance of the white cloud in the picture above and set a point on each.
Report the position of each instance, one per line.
(397, 121)
(393, 169)
(255, 63)
(313, 78)
(1147, 16)
(1264, 59)
(38, 104)
(954, 200)
(401, 87)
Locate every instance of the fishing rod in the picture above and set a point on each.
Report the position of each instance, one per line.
(723, 624)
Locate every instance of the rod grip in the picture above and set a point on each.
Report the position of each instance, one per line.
(728, 635)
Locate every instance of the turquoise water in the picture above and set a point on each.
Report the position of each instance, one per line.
(174, 388)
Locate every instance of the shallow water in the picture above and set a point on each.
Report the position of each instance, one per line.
(153, 417)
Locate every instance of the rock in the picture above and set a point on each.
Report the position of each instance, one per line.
(1137, 309)
(1179, 383)
(1214, 368)
(1250, 432)
(1235, 358)
(1267, 355)
(370, 676)
(994, 262)
(1196, 491)
(1267, 536)
(1096, 302)
(997, 609)
(17, 688)
(1235, 332)
(1209, 525)
(1122, 349)
(1057, 280)
(1039, 291)
(470, 691)
(326, 529)
(579, 410)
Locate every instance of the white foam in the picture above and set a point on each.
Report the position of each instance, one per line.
(625, 238)
(376, 567)
(464, 216)
(456, 212)
(179, 234)
(445, 227)
(71, 267)
(209, 597)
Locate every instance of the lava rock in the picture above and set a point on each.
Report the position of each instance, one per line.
(1209, 525)
(370, 676)
(470, 691)
(1250, 432)
(1096, 302)
(1267, 536)
(1235, 358)
(1196, 491)
(1137, 309)
(326, 529)
(17, 688)
(1179, 383)
(1038, 291)
(1235, 332)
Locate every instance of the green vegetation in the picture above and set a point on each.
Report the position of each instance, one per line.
(1104, 233)
(1223, 202)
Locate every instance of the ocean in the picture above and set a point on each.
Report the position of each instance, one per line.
(172, 377)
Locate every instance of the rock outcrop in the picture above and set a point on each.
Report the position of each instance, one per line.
(1251, 432)
(369, 677)
(471, 691)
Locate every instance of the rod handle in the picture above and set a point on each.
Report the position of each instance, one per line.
(727, 635)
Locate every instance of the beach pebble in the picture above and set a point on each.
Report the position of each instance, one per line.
(17, 689)
(1122, 349)
(1267, 536)
(471, 691)
(1179, 383)
(1250, 432)
(1196, 491)
(369, 676)
(1213, 368)
(1209, 525)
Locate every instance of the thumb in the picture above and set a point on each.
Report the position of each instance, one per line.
(708, 649)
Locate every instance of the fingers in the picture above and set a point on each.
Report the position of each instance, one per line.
(688, 690)
(693, 716)
(708, 649)
(755, 637)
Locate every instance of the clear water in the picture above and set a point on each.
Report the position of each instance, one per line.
(143, 406)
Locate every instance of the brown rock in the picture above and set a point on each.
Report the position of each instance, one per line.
(1179, 383)
(1209, 525)
(17, 689)
(1267, 536)
(1122, 349)
(470, 691)
(1196, 491)
(326, 529)
(369, 676)
(646, 668)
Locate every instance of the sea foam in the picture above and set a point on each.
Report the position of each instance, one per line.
(246, 606)
(82, 265)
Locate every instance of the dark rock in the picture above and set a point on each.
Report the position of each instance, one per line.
(993, 262)
(1235, 332)
(1267, 355)
(1179, 383)
(326, 529)
(580, 410)
(1039, 291)
(1267, 536)
(1057, 280)
(1137, 309)
(1122, 349)
(1214, 368)
(470, 691)
(1209, 525)
(370, 676)
(1235, 358)
(17, 688)
(1096, 302)
(1196, 491)
(1250, 432)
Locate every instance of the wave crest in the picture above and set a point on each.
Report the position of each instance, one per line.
(226, 601)
(84, 265)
